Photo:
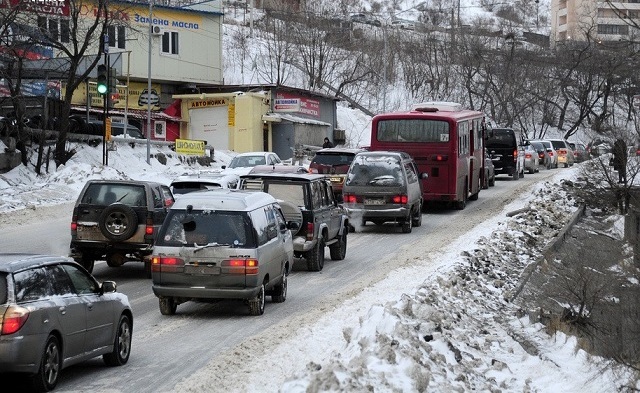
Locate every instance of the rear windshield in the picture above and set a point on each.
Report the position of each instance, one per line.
(375, 171)
(501, 138)
(413, 130)
(333, 159)
(332, 163)
(290, 192)
(185, 187)
(246, 161)
(106, 194)
(558, 145)
(537, 145)
(206, 227)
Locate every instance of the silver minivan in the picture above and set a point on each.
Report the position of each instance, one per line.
(222, 244)
(383, 186)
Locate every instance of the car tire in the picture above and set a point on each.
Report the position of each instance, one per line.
(407, 224)
(167, 305)
(516, 174)
(118, 222)
(279, 294)
(492, 181)
(50, 366)
(87, 262)
(147, 268)
(485, 182)
(121, 345)
(417, 219)
(256, 304)
(338, 250)
(116, 259)
(315, 256)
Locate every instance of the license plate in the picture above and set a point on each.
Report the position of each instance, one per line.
(87, 232)
(335, 179)
(368, 201)
(205, 270)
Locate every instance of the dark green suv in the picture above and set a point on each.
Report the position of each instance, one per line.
(309, 200)
(117, 220)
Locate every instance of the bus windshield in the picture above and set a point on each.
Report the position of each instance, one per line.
(413, 130)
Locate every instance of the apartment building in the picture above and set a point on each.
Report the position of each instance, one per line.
(596, 20)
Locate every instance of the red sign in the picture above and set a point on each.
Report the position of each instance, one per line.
(45, 7)
(307, 106)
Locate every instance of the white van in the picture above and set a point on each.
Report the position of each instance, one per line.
(222, 244)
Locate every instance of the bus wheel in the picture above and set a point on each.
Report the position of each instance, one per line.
(460, 205)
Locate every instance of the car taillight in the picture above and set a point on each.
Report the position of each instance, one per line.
(540, 155)
(550, 154)
(166, 264)
(310, 231)
(74, 224)
(313, 170)
(14, 318)
(527, 155)
(148, 230)
(515, 155)
(349, 198)
(241, 266)
(168, 202)
(400, 199)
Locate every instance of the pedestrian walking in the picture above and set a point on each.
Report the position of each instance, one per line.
(620, 159)
(327, 143)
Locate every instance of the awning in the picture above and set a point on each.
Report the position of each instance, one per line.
(131, 113)
(279, 117)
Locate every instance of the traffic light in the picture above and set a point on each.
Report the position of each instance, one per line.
(113, 81)
(103, 80)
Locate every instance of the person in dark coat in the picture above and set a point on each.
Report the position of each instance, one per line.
(327, 143)
(620, 159)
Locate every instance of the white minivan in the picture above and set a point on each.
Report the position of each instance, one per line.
(222, 244)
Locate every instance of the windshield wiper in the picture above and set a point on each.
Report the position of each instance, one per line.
(208, 245)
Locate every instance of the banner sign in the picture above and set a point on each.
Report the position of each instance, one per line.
(42, 7)
(287, 102)
(190, 147)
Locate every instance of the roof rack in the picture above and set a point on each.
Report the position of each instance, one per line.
(435, 106)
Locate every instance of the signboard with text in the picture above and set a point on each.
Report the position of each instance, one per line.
(288, 102)
(42, 7)
(190, 147)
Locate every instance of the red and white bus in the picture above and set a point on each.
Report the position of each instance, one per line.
(447, 143)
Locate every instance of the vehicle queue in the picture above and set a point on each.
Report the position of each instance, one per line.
(234, 236)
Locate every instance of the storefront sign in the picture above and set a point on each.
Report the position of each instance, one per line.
(208, 103)
(287, 102)
(190, 147)
(43, 7)
(286, 105)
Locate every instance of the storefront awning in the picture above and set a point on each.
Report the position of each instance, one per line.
(131, 113)
(280, 117)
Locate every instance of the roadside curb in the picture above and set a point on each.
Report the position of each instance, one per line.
(548, 251)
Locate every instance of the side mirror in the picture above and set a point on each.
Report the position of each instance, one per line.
(283, 227)
(223, 167)
(108, 287)
(424, 175)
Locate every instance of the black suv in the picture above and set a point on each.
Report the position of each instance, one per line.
(507, 151)
(118, 220)
(307, 199)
